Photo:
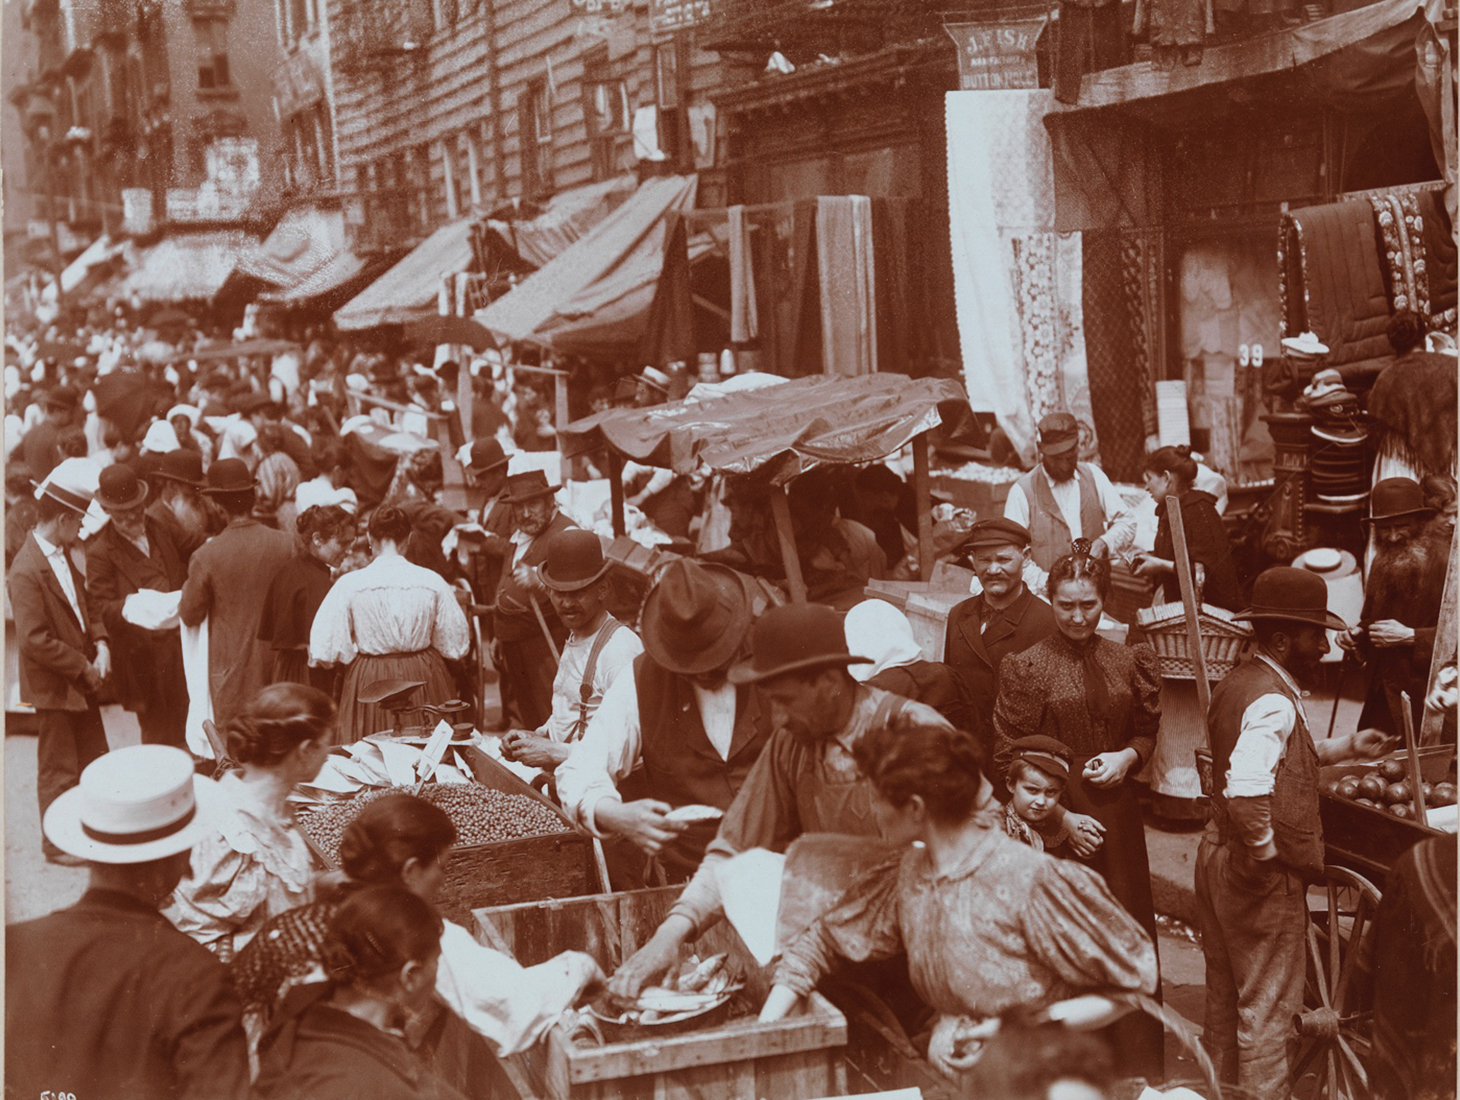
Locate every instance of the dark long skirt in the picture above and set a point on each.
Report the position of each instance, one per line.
(359, 719)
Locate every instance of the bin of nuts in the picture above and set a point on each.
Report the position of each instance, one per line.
(513, 845)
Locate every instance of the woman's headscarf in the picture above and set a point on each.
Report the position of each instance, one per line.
(876, 629)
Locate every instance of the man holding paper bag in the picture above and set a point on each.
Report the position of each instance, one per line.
(135, 552)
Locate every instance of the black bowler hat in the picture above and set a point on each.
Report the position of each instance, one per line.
(119, 487)
(1285, 594)
(229, 475)
(798, 637)
(1395, 500)
(486, 455)
(574, 560)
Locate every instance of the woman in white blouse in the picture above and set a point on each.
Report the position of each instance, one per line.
(392, 620)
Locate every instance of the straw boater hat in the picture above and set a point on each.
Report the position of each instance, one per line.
(799, 637)
(574, 560)
(1306, 345)
(1396, 500)
(119, 488)
(527, 486)
(1285, 594)
(695, 617)
(132, 805)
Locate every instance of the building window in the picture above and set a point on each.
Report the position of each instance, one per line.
(671, 94)
(212, 38)
(666, 75)
(535, 134)
(447, 12)
(469, 186)
(605, 112)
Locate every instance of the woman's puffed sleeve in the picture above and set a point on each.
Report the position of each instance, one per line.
(331, 637)
(864, 925)
(221, 894)
(1019, 709)
(451, 635)
(1145, 711)
(1074, 925)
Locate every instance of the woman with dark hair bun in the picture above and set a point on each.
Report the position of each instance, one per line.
(392, 620)
(1171, 472)
(255, 864)
(322, 535)
(400, 840)
(343, 1039)
(1103, 700)
(989, 925)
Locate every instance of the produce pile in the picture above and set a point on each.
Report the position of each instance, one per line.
(481, 815)
(1388, 788)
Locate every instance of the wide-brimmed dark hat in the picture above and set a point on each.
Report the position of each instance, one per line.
(1058, 433)
(182, 465)
(1396, 499)
(229, 475)
(527, 486)
(574, 560)
(1291, 595)
(695, 617)
(799, 637)
(120, 488)
(486, 455)
(61, 397)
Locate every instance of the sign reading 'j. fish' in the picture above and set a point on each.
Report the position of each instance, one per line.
(994, 56)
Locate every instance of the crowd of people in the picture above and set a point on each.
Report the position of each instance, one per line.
(253, 570)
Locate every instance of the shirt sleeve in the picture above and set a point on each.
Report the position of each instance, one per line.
(510, 1005)
(1267, 723)
(863, 926)
(451, 635)
(1016, 505)
(606, 753)
(331, 637)
(1120, 521)
(1074, 925)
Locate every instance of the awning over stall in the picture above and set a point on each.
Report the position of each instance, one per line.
(410, 288)
(97, 253)
(620, 255)
(187, 266)
(784, 429)
(564, 219)
(304, 240)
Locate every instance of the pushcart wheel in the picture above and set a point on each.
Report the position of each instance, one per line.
(1333, 1029)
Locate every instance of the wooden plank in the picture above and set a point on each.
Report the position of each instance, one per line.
(1190, 606)
(785, 535)
(923, 502)
(1411, 757)
(616, 492)
(1432, 723)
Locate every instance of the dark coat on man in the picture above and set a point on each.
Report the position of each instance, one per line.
(975, 653)
(228, 584)
(147, 672)
(528, 666)
(40, 450)
(107, 1000)
(55, 650)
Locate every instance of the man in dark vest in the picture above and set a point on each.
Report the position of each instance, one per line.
(1063, 499)
(1006, 617)
(675, 719)
(523, 617)
(1265, 839)
(806, 780)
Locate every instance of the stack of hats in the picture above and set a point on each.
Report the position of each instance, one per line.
(1337, 465)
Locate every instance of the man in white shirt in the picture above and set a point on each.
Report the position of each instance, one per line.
(1063, 499)
(1265, 839)
(62, 641)
(677, 717)
(598, 649)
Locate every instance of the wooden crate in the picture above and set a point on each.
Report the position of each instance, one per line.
(1367, 840)
(504, 872)
(740, 1059)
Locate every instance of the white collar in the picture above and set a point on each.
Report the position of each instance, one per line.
(49, 549)
(1292, 685)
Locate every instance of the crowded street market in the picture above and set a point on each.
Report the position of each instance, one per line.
(575, 550)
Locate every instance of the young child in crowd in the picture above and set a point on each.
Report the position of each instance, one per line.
(1038, 773)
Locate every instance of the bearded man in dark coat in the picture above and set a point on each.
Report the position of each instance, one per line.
(1395, 636)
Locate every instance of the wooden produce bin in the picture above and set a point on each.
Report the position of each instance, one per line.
(741, 1059)
(1367, 840)
(504, 872)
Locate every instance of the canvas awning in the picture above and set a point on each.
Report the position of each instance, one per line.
(97, 253)
(783, 430)
(187, 266)
(609, 261)
(410, 288)
(305, 242)
(564, 219)
(334, 273)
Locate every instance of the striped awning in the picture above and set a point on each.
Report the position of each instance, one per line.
(186, 266)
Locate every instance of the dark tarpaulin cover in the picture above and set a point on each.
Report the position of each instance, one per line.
(782, 429)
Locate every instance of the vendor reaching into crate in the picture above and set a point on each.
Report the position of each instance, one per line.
(598, 649)
(675, 718)
(806, 780)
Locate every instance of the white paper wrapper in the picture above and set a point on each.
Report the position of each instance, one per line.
(152, 610)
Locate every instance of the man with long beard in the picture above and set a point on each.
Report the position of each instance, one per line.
(1395, 636)
(179, 505)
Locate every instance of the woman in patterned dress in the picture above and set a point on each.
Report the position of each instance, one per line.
(989, 925)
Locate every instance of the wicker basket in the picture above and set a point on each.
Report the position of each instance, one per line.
(1222, 640)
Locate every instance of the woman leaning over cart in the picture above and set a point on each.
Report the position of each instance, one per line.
(392, 620)
(254, 863)
(989, 925)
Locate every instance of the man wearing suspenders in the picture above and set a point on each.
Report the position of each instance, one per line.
(599, 647)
